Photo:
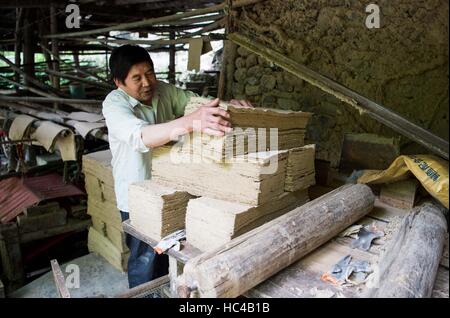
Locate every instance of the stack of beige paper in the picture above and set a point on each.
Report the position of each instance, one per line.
(211, 223)
(300, 171)
(155, 210)
(254, 179)
(254, 129)
(236, 195)
(106, 236)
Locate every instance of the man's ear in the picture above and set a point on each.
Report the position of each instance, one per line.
(118, 83)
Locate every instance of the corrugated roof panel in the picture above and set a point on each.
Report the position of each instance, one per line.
(16, 194)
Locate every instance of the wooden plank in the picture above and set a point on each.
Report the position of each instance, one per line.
(401, 194)
(41, 209)
(73, 225)
(41, 222)
(186, 252)
(137, 291)
(385, 212)
(231, 270)
(368, 151)
(60, 281)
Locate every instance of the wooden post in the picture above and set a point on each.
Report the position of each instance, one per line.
(11, 255)
(175, 270)
(246, 261)
(410, 263)
(55, 50)
(28, 47)
(18, 42)
(76, 58)
(171, 76)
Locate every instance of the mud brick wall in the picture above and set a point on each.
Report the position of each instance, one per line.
(402, 65)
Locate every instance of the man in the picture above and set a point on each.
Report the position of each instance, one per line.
(143, 113)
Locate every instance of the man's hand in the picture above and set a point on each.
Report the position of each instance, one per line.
(241, 103)
(212, 120)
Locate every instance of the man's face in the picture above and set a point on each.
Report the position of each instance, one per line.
(140, 82)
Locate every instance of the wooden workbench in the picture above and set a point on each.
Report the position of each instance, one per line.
(302, 279)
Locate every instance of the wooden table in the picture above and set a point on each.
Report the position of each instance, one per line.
(302, 278)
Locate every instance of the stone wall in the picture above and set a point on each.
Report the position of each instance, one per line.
(402, 65)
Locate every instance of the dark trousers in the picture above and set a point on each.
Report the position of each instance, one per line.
(144, 264)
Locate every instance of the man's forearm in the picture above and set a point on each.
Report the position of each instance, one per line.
(160, 134)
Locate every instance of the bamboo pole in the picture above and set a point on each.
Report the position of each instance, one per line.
(75, 67)
(378, 112)
(50, 100)
(28, 88)
(153, 21)
(55, 50)
(81, 80)
(18, 41)
(30, 79)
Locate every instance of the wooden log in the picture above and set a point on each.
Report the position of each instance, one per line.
(378, 112)
(248, 260)
(409, 265)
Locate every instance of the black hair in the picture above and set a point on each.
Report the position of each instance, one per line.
(124, 57)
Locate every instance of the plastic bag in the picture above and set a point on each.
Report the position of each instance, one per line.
(431, 171)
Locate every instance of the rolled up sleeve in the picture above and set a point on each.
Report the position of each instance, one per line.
(123, 124)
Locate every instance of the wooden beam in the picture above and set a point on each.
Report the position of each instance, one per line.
(378, 112)
(246, 261)
(153, 21)
(60, 282)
